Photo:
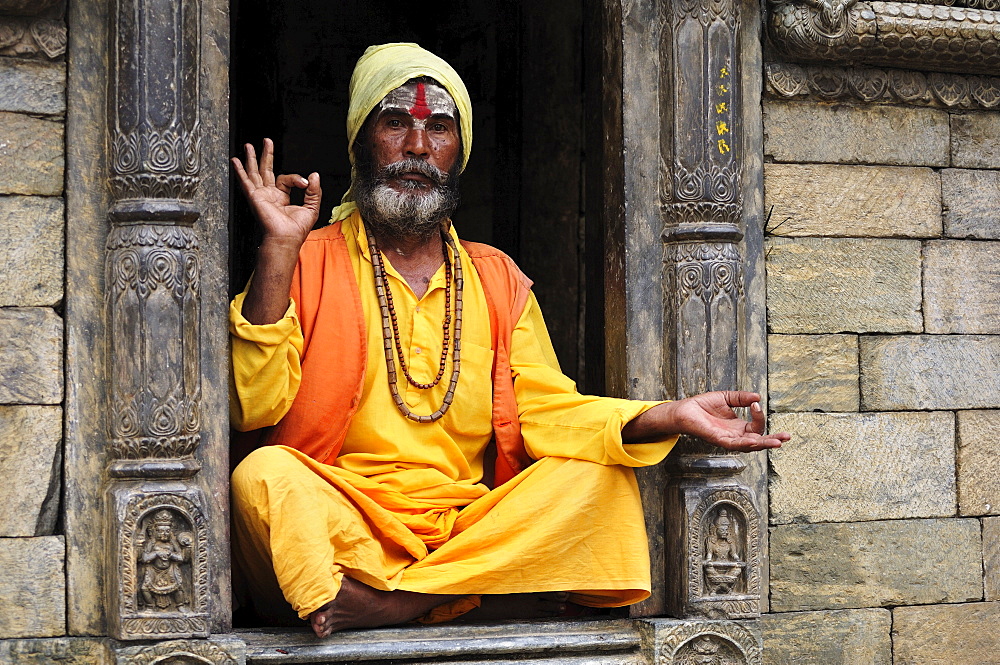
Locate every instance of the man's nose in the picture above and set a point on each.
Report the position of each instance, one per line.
(417, 144)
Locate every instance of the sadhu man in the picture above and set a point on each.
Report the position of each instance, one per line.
(386, 356)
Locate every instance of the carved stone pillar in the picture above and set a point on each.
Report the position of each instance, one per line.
(713, 526)
(158, 584)
(676, 187)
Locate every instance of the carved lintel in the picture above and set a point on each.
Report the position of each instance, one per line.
(874, 85)
(695, 642)
(177, 652)
(715, 551)
(159, 545)
(933, 37)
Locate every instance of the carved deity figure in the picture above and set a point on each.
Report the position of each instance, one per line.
(705, 651)
(162, 582)
(720, 546)
(723, 565)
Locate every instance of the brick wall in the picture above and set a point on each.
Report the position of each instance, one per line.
(32, 579)
(883, 277)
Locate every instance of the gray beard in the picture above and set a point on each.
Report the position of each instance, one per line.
(417, 211)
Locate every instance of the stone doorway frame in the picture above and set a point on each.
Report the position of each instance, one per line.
(147, 242)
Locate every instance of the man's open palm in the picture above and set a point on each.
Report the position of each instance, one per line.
(710, 417)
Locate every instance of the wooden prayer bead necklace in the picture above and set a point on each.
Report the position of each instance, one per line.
(390, 329)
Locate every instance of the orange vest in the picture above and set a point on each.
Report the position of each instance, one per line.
(328, 305)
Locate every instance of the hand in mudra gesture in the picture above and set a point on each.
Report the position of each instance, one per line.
(270, 199)
(710, 417)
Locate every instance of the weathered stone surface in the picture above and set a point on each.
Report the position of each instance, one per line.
(821, 285)
(30, 356)
(930, 372)
(813, 132)
(965, 634)
(812, 372)
(834, 637)
(31, 86)
(832, 200)
(971, 202)
(31, 242)
(846, 467)
(991, 557)
(55, 651)
(30, 438)
(32, 587)
(871, 564)
(31, 155)
(978, 462)
(975, 140)
(962, 286)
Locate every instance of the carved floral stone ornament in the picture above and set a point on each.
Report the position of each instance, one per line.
(32, 28)
(183, 652)
(866, 84)
(708, 643)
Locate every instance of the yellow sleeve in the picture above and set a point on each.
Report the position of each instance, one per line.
(556, 420)
(266, 367)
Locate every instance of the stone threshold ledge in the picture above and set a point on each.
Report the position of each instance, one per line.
(905, 35)
(615, 642)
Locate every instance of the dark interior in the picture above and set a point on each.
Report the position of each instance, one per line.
(523, 190)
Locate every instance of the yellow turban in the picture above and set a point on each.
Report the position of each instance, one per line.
(382, 69)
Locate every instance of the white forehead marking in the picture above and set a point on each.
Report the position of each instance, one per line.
(420, 101)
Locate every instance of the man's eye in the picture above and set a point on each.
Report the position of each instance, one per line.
(438, 127)
(394, 122)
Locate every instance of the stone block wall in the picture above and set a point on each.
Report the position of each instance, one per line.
(32, 229)
(883, 279)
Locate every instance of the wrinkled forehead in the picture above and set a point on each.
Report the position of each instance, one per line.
(421, 100)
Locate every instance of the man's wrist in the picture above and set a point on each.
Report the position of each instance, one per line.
(654, 424)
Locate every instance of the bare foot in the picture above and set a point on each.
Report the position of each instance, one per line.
(360, 606)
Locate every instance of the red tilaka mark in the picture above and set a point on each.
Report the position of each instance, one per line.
(419, 110)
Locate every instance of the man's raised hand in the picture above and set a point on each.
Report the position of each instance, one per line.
(709, 417)
(285, 229)
(269, 196)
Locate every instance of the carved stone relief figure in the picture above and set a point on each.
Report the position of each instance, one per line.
(723, 564)
(164, 560)
(724, 555)
(699, 642)
(162, 565)
(709, 650)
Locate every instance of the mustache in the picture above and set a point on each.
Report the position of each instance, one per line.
(413, 165)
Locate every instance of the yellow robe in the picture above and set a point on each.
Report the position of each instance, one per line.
(403, 506)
